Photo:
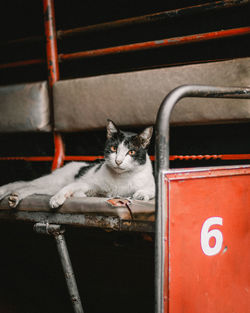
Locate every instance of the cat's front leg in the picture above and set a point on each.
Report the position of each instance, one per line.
(66, 192)
(144, 194)
(5, 190)
(20, 193)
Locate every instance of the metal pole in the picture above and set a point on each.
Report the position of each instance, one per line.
(155, 44)
(53, 71)
(57, 232)
(162, 164)
(151, 18)
(68, 272)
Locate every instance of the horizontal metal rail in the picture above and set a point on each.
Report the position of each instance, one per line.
(148, 45)
(151, 18)
(155, 44)
(152, 157)
(148, 18)
(22, 63)
(79, 220)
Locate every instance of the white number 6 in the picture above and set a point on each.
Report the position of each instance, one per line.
(206, 235)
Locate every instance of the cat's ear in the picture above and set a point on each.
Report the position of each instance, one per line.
(111, 129)
(145, 136)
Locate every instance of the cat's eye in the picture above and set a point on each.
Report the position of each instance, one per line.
(131, 152)
(113, 148)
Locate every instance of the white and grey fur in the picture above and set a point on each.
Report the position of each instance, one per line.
(120, 174)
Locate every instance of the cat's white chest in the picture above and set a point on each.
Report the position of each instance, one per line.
(122, 185)
(117, 187)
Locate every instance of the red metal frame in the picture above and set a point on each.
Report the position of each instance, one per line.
(51, 42)
(61, 157)
(21, 63)
(145, 19)
(150, 18)
(157, 44)
(53, 71)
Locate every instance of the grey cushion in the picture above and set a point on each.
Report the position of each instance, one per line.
(134, 98)
(24, 107)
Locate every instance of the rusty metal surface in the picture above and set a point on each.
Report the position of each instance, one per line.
(51, 43)
(87, 212)
(80, 220)
(53, 71)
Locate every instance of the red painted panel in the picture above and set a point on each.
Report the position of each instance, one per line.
(202, 274)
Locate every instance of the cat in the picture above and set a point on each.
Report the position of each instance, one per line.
(125, 171)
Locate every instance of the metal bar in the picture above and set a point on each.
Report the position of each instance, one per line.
(148, 18)
(51, 43)
(68, 272)
(54, 74)
(59, 156)
(57, 232)
(156, 44)
(29, 158)
(113, 223)
(25, 40)
(162, 164)
(162, 121)
(53, 70)
(42, 61)
(21, 63)
(151, 18)
(152, 157)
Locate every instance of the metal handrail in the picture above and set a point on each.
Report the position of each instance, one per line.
(162, 164)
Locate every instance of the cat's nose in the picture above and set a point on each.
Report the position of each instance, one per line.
(118, 162)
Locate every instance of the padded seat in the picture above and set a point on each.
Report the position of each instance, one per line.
(133, 99)
(115, 214)
(24, 107)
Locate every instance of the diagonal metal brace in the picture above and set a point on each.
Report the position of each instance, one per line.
(58, 232)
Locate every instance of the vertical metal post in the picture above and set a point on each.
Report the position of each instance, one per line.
(51, 42)
(162, 164)
(68, 272)
(53, 71)
(57, 232)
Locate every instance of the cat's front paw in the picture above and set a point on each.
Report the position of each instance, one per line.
(141, 195)
(57, 200)
(14, 199)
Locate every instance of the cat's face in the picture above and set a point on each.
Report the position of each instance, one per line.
(125, 152)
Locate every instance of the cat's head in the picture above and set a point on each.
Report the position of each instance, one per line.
(125, 151)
